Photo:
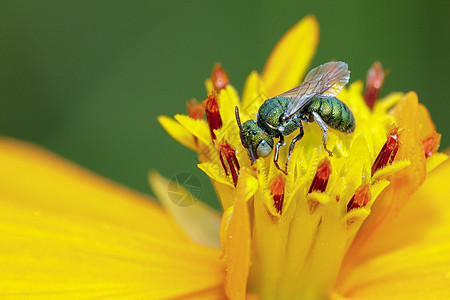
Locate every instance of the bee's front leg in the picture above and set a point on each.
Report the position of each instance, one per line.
(277, 152)
(251, 154)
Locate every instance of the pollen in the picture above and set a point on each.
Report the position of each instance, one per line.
(194, 109)
(227, 155)
(361, 197)
(431, 144)
(276, 187)
(219, 77)
(374, 82)
(320, 180)
(388, 152)
(211, 105)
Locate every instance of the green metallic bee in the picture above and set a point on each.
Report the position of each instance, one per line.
(313, 100)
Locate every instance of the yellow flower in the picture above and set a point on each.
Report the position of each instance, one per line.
(352, 226)
(303, 235)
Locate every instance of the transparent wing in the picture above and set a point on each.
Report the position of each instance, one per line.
(325, 80)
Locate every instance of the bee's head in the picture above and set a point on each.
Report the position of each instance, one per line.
(254, 139)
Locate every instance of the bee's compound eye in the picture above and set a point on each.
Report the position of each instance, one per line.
(254, 132)
(263, 149)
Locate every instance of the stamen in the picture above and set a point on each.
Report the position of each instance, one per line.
(320, 180)
(388, 152)
(431, 143)
(374, 82)
(211, 105)
(276, 187)
(219, 77)
(361, 197)
(194, 109)
(227, 155)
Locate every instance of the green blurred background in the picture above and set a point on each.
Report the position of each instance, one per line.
(87, 79)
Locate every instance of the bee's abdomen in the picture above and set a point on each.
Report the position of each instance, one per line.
(334, 113)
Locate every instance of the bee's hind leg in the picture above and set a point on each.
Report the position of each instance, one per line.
(324, 127)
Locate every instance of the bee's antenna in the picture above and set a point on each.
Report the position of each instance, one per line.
(250, 149)
(238, 120)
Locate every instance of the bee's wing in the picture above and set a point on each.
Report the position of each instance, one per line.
(326, 80)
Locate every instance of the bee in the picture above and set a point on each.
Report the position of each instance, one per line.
(313, 100)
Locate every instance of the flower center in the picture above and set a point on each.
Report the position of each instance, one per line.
(302, 223)
(310, 219)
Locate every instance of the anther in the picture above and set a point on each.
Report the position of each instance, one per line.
(276, 187)
(320, 180)
(361, 197)
(431, 144)
(374, 82)
(211, 105)
(388, 152)
(227, 155)
(194, 109)
(219, 77)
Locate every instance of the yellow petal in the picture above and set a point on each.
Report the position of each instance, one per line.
(291, 56)
(269, 239)
(216, 172)
(178, 132)
(417, 272)
(435, 160)
(253, 96)
(67, 233)
(201, 222)
(383, 105)
(198, 128)
(236, 242)
(217, 293)
(222, 184)
(411, 254)
(249, 185)
(389, 170)
(209, 86)
(433, 198)
(403, 183)
(425, 217)
(229, 99)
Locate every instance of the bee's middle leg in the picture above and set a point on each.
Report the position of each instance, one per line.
(292, 145)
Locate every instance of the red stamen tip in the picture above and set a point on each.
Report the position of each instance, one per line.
(374, 82)
(320, 180)
(361, 197)
(388, 152)
(194, 109)
(219, 77)
(276, 187)
(431, 143)
(211, 105)
(227, 155)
